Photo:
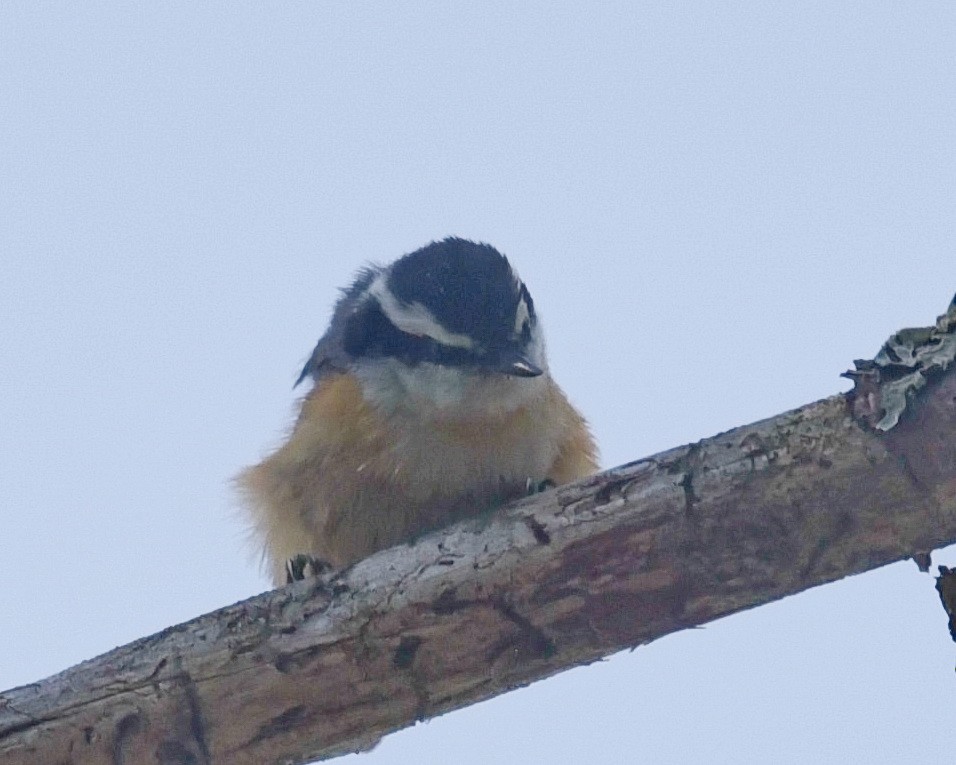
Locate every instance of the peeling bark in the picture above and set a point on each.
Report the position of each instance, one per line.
(563, 578)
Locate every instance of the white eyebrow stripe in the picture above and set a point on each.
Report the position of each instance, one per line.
(521, 315)
(415, 319)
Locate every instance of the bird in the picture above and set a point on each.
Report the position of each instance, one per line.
(431, 402)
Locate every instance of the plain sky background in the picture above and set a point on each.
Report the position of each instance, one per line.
(716, 206)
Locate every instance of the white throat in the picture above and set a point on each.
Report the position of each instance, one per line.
(435, 391)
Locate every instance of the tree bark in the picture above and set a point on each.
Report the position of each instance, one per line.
(330, 665)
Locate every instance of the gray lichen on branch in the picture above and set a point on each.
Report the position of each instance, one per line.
(907, 361)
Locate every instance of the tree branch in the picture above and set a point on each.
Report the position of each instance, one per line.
(561, 579)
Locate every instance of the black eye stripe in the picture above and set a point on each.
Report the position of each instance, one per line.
(369, 334)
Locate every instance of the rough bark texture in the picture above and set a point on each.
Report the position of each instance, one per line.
(564, 578)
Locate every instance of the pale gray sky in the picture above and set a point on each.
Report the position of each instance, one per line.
(716, 206)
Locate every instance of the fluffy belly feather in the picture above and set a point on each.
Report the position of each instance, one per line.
(352, 480)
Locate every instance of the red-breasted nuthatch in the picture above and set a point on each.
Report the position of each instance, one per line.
(431, 401)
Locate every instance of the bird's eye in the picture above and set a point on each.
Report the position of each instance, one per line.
(526, 331)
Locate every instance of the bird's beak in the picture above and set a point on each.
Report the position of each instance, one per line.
(519, 366)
